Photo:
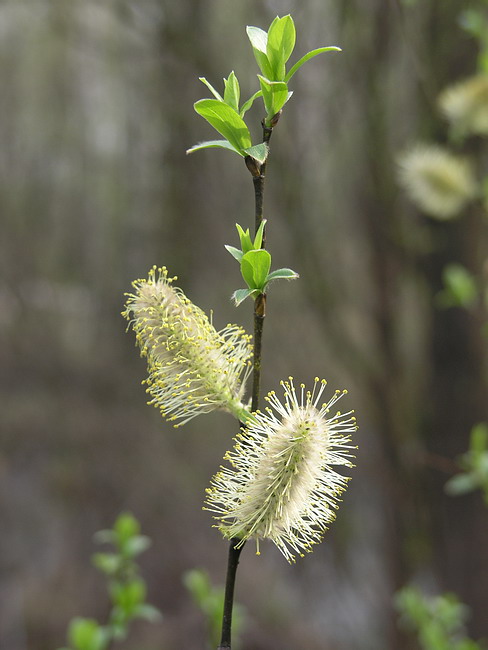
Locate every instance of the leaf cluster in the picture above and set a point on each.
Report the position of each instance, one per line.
(438, 621)
(126, 589)
(272, 50)
(255, 263)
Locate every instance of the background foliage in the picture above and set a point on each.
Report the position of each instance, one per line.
(95, 188)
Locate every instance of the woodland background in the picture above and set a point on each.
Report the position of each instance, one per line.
(95, 187)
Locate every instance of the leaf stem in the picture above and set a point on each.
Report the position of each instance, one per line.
(232, 564)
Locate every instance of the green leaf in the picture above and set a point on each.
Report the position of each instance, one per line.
(282, 274)
(275, 95)
(209, 144)
(245, 237)
(241, 294)
(148, 612)
(137, 545)
(211, 88)
(247, 105)
(309, 56)
(108, 563)
(105, 537)
(198, 584)
(479, 438)
(255, 267)
(226, 121)
(235, 252)
(258, 239)
(259, 40)
(232, 92)
(461, 484)
(128, 595)
(259, 152)
(125, 527)
(280, 45)
(86, 634)
(460, 287)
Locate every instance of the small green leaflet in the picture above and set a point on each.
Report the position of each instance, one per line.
(259, 152)
(282, 274)
(211, 88)
(258, 239)
(255, 267)
(245, 239)
(241, 294)
(232, 92)
(235, 252)
(223, 144)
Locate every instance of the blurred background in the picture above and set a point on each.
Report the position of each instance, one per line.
(96, 107)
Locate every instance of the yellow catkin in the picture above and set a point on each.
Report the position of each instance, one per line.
(192, 367)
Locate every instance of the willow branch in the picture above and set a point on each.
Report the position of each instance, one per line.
(258, 173)
(260, 302)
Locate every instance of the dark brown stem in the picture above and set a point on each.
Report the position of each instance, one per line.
(258, 175)
(260, 302)
(259, 314)
(232, 564)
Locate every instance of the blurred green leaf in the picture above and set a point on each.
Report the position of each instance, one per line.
(108, 563)
(460, 288)
(198, 584)
(125, 527)
(86, 634)
(148, 613)
(137, 545)
(210, 600)
(438, 621)
(461, 484)
(479, 438)
(129, 595)
(104, 537)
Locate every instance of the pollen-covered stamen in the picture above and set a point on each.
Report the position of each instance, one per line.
(192, 368)
(281, 484)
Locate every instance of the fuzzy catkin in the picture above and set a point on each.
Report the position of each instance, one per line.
(192, 368)
(281, 484)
